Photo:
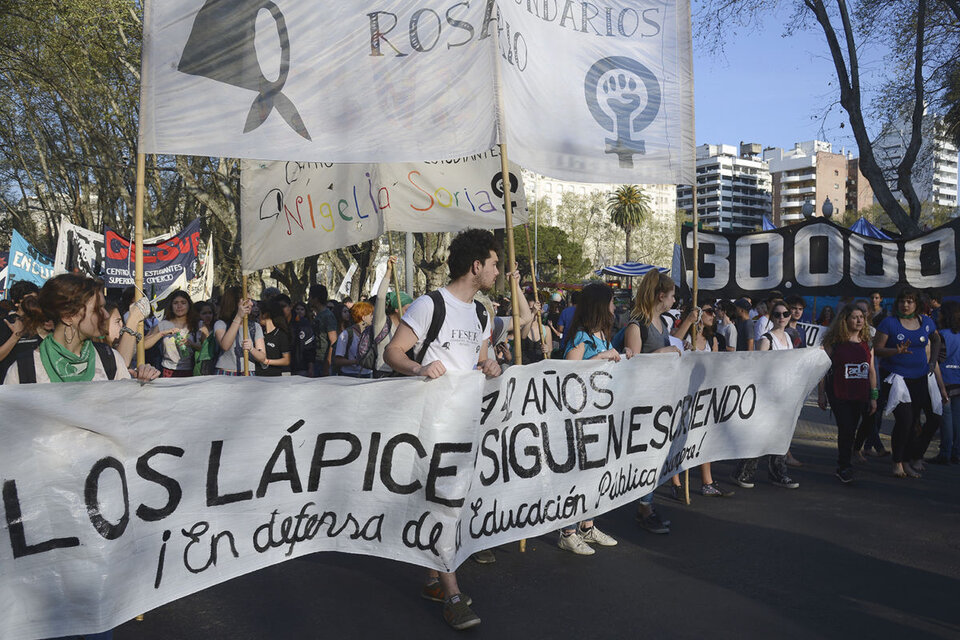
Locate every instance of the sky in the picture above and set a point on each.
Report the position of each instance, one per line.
(770, 89)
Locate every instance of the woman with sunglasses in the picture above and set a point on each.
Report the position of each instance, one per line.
(776, 339)
(705, 339)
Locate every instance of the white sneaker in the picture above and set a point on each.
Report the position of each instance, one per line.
(575, 544)
(595, 536)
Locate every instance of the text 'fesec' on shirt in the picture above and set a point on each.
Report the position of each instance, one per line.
(458, 344)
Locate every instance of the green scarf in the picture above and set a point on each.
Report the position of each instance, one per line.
(905, 316)
(63, 365)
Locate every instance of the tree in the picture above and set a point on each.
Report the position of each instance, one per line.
(628, 207)
(922, 36)
(551, 242)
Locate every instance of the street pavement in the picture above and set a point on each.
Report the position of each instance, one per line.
(879, 558)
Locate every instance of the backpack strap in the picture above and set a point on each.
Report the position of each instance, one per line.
(107, 359)
(26, 368)
(439, 314)
(481, 314)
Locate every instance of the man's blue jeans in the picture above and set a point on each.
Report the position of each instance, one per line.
(950, 429)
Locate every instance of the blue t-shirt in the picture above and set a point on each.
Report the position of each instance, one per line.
(592, 344)
(913, 363)
(950, 367)
(566, 317)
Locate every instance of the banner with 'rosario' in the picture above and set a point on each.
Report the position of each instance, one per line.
(291, 210)
(591, 91)
(818, 257)
(119, 497)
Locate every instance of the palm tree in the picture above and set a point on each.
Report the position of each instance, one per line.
(628, 206)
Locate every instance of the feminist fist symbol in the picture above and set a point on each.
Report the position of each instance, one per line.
(623, 97)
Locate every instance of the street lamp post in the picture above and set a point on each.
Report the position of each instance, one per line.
(560, 266)
(827, 209)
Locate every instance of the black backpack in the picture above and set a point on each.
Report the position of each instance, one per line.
(304, 349)
(26, 367)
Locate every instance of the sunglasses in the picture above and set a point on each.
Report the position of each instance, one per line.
(781, 314)
(710, 311)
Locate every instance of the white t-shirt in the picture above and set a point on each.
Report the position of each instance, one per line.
(458, 344)
(729, 332)
(173, 356)
(13, 373)
(760, 326)
(776, 345)
(232, 359)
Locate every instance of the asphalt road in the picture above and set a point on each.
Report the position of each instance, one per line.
(879, 558)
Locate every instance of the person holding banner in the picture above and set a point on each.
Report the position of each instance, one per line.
(387, 315)
(903, 341)
(590, 333)
(850, 386)
(447, 329)
(233, 309)
(776, 339)
(75, 304)
(347, 356)
(276, 337)
(14, 339)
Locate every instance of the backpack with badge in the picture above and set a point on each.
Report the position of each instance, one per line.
(368, 347)
(304, 350)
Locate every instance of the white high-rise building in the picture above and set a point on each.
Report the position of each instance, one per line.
(663, 197)
(733, 189)
(935, 171)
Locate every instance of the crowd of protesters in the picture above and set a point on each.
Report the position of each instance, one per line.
(905, 362)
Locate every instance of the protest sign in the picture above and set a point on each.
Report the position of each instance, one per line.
(3, 283)
(818, 257)
(79, 250)
(111, 512)
(291, 210)
(26, 263)
(812, 333)
(621, 110)
(394, 81)
(163, 263)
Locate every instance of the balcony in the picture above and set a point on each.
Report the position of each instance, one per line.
(798, 191)
(802, 177)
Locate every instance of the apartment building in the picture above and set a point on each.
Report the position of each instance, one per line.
(733, 187)
(812, 172)
(935, 171)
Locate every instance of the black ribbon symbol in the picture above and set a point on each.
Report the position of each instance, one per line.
(221, 47)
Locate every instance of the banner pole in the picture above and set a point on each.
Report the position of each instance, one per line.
(138, 247)
(507, 209)
(396, 277)
(408, 273)
(536, 293)
(696, 256)
(246, 329)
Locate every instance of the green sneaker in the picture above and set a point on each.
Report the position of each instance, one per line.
(458, 614)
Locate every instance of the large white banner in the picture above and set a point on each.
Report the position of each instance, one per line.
(119, 497)
(592, 91)
(318, 80)
(291, 210)
(600, 91)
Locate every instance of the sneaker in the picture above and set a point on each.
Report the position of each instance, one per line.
(744, 481)
(713, 490)
(434, 592)
(574, 544)
(595, 536)
(677, 493)
(458, 614)
(784, 481)
(653, 523)
(845, 475)
(484, 557)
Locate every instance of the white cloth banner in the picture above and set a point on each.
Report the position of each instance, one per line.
(593, 92)
(119, 497)
(600, 91)
(318, 80)
(292, 210)
(79, 250)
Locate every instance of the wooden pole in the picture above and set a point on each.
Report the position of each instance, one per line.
(396, 277)
(536, 293)
(246, 330)
(138, 247)
(696, 264)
